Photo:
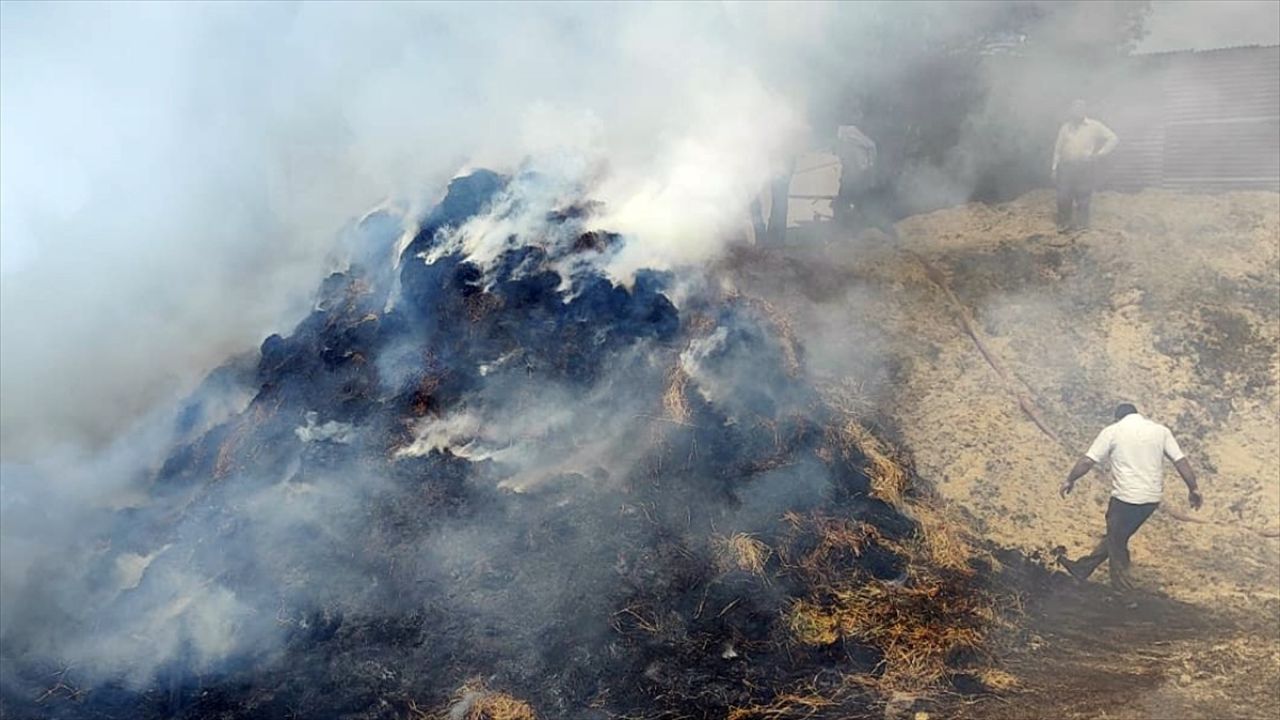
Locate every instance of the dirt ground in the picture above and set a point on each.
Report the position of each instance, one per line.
(998, 348)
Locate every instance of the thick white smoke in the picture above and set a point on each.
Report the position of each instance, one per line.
(173, 175)
(173, 179)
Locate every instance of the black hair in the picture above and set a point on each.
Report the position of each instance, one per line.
(1124, 409)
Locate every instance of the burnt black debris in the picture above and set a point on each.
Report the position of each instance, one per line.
(512, 468)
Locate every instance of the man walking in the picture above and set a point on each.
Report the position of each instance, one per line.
(1136, 448)
(1082, 141)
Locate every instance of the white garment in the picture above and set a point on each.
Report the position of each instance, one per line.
(1137, 448)
(854, 148)
(1082, 141)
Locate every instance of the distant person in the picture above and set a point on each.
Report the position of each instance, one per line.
(857, 155)
(1136, 448)
(1082, 141)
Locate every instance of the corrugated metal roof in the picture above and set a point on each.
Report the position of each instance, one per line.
(1209, 51)
(1214, 124)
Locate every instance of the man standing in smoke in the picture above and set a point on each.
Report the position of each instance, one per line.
(1136, 448)
(1082, 141)
(857, 155)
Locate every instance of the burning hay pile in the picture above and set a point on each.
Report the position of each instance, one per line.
(489, 460)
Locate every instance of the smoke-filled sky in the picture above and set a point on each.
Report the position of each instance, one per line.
(1182, 25)
(173, 175)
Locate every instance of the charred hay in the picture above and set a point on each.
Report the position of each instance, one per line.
(700, 534)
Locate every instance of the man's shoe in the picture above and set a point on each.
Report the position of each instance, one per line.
(1123, 586)
(1072, 568)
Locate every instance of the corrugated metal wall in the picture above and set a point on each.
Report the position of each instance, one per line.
(1198, 120)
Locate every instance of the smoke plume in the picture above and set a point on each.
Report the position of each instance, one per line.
(451, 450)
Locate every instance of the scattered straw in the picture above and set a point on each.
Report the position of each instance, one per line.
(916, 623)
(741, 551)
(943, 540)
(785, 706)
(811, 624)
(474, 701)
(839, 541)
(888, 478)
(852, 397)
(674, 400)
(698, 323)
(997, 680)
(915, 627)
(783, 332)
(499, 706)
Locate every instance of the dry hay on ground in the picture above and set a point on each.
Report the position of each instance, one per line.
(741, 551)
(917, 627)
(1168, 302)
(943, 537)
(918, 621)
(837, 544)
(789, 705)
(674, 400)
(921, 620)
(997, 680)
(783, 331)
(888, 476)
(474, 701)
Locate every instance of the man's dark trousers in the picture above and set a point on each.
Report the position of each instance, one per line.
(1123, 520)
(1075, 190)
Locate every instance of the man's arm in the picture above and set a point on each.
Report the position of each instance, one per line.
(1174, 453)
(1109, 141)
(1189, 477)
(1082, 468)
(1098, 451)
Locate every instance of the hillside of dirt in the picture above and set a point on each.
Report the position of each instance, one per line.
(997, 348)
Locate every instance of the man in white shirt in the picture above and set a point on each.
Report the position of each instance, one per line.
(1082, 141)
(1136, 448)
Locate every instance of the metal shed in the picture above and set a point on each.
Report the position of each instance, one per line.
(1207, 120)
